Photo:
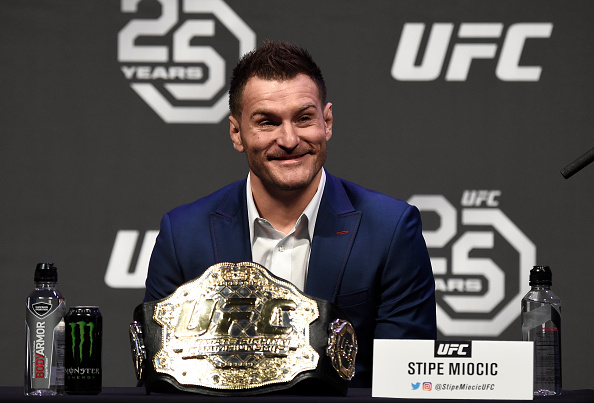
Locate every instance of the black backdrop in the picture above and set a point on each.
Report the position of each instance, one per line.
(474, 135)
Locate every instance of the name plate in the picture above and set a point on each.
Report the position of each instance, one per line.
(428, 369)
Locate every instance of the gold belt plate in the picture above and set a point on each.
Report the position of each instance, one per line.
(235, 327)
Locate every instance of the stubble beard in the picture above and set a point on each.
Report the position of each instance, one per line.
(275, 182)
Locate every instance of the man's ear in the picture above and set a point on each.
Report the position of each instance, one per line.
(235, 133)
(328, 119)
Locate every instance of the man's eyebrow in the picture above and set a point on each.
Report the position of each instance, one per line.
(266, 112)
(260, 112)
(306, 107)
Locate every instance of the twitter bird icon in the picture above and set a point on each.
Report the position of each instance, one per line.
(415, 386)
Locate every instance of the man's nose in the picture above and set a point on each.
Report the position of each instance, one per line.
(288, 137)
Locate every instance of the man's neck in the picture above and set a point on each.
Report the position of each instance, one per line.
(282, 208)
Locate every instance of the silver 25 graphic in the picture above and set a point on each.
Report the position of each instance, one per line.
(181, 82)
(473, 296)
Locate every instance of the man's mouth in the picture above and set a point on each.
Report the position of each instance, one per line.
(287, 157)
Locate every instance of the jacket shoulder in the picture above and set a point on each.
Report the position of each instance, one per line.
(223, 201)
(371, 201)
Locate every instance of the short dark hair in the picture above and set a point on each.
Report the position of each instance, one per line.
(273, 61)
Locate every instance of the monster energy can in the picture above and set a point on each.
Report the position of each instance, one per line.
(82, 356)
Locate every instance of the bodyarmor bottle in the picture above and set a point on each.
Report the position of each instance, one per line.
(46, 308)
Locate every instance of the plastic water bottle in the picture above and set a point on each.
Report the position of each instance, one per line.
(46, 308)
(541, 323)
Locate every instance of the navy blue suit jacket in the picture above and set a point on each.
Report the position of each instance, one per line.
(367, 255)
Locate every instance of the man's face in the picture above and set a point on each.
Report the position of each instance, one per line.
(283, 131)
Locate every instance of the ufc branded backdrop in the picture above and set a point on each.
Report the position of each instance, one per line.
(114, 112)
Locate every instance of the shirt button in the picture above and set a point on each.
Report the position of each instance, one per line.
(281, 248)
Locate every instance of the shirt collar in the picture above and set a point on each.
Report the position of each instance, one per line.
(311, 211)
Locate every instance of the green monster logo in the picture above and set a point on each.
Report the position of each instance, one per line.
(81, 330)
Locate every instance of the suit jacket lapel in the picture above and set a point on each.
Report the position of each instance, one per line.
(229, 227)
(336, 227)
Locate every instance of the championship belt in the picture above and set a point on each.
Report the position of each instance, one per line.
(240, 330)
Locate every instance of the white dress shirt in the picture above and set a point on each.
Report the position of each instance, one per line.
(286, 256)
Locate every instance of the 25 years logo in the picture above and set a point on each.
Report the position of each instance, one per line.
(170, 61)
(480, 261)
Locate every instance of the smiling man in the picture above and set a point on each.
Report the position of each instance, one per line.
(282, 127)
(332, 239)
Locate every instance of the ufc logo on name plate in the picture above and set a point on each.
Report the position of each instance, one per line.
(453, 349)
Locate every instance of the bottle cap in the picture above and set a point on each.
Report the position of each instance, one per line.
(541, 275)
(46, 272)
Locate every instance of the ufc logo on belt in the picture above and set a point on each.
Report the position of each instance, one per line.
(266, 318)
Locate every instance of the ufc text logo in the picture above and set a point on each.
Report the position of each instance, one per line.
(453, 349)
(170, 59)
(121, 271)
(472, 41)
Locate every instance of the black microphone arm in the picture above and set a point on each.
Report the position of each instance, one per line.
(578, 164)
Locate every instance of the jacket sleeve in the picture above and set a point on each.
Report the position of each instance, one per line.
(406, 302)
(164, 273)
